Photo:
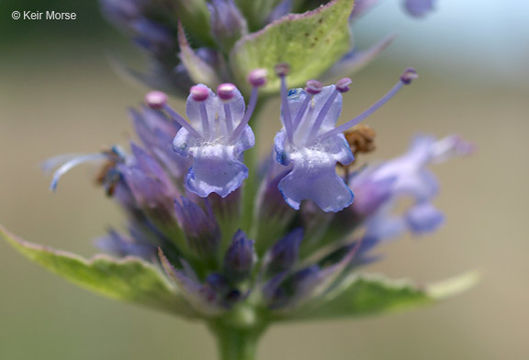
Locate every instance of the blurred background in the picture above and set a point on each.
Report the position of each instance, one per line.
(59, 94)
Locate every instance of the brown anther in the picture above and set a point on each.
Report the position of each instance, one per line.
(361, 139)
(105, 176)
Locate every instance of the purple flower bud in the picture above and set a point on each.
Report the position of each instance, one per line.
(202, 298)
(119, 245)
(200, 228)
(239, 258)
(284, 253)
(227, 22)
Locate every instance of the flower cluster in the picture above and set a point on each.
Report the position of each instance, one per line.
(213, 235)
(182, 187)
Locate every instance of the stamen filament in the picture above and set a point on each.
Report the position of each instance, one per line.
(247, 115)
(205, 121)
(229, 120)
(181, 121)
(67, 166)
(286, 111)
(365, 114)
(301, 111)
(323, 113)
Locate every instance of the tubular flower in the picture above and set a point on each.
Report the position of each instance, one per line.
(313, 145)
(216, 136)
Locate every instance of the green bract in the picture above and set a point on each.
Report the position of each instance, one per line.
(133, 280)
(310, 43)
(130, 279)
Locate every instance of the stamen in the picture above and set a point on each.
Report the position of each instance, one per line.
(405, 79)
(200, 93)
(205, 121)
(67, 166)
(181, 121)
(282, 71)
(158, 100)
(313, 87)
(342, 85)
(256, 78)
(226, 91)
(229, 120)
(323, 113)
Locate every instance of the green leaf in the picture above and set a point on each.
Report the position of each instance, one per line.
(130, 279)
(361, 295)
(310, 43)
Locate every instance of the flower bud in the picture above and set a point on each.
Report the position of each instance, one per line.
(239, 257)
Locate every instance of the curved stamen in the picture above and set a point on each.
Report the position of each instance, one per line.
(323, 113)
(67, 166)
(181, 121)
(157, 100)
(405, 79)
(313, 87)
(247, 115)
(301, 111)
(256, 78)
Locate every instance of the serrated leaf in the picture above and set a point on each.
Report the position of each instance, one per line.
(362, 295)
(310, 43)
(130, 279)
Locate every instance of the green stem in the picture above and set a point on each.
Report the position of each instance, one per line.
(234, 343)
(249, 190)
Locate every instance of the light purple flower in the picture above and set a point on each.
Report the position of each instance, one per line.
(311, 143)
(419, 8)
(379, 187)
(215, 137)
